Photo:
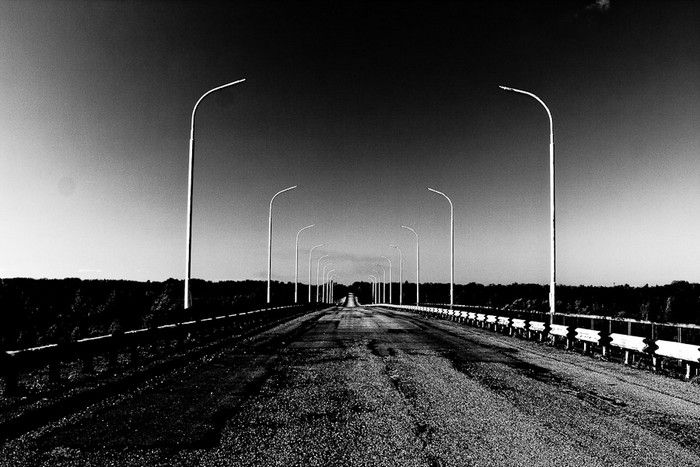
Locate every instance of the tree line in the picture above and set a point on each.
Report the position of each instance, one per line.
(44, 311)
(677, 302)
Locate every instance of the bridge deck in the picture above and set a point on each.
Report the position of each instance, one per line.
(355, 386)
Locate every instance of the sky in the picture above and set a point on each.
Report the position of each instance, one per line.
(363, 105)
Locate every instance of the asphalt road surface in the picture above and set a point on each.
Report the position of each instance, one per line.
(359, 386)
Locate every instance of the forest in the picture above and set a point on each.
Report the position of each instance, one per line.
(42, 311)
(678, 302)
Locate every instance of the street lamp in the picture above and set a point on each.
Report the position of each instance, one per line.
(326, 279)
(373, 281)
(310, 254)
(375, 290)
(390, 280)
(323, 280)
(452, 246)
(296, 261)
(417, 264)
(332, 291)
(269, 239)
(335, 284)
(383, 287)
(318, 266)
(190, 188)
(400, 273)
(553, 251)
(331, 285)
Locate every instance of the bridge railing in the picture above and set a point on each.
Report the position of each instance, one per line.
(120, 344)
(677, 332)
(671, 343)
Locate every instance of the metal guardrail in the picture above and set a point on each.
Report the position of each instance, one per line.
(602, 337)
(13, 362)
(676, 332)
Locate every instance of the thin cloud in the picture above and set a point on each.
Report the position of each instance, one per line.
(89, 271)
(599, 5)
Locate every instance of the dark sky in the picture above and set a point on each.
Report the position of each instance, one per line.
(363, 105)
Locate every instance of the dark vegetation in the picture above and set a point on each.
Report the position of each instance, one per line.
(678, 302)
(44, 311)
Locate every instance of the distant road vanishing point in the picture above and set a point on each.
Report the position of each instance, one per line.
(350, 301)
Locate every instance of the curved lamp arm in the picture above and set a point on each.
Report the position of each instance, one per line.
(534, 96)
(194, 109)
(190, 191)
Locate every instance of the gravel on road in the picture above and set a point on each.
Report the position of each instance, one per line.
(364, 386)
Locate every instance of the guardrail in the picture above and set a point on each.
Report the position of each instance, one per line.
(598, 335)
(676, 332)
(14, 362)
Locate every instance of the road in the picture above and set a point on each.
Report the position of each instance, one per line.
(364, 387)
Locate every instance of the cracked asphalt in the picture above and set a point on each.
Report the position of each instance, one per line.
(373, 387)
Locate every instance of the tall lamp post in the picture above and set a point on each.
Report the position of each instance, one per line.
(318, 266)
(552, 249)
(417, 264)
(323, 281)
(333, 288)
(373, 281)
(330, 288)
(269, 239)
(390, 280)
(190, 188)
(296, 262)
(311, 251)
(452, 246)
(400, 273)
(326, 280)
(382, 291)
(331, 285)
